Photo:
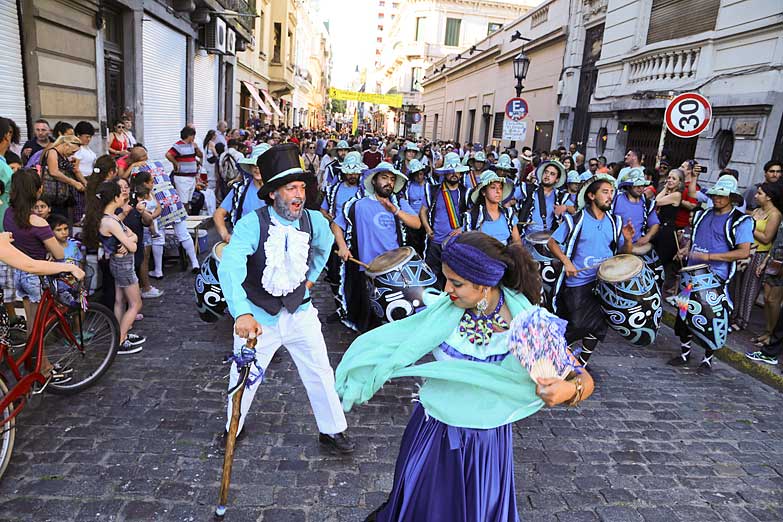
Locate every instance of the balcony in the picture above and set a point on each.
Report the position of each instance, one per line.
(242, 6)
(664, 67)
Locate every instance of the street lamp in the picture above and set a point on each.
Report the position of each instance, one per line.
(521, 65)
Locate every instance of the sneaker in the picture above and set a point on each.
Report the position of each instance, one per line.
(127, 348)
(156, 275)
(760, 357)
(339, 442)
(135, 340)
(18, 323)
(152, 293)
(195, 270)
(705, 366)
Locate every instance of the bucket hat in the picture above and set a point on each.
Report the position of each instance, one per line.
(255, 154)
(384, 166)
(633, 177)
(573, 177)
(479, 156)
(488, 177)
(352, 164)
(725, 186)
(451, 163)
(342, 145)
(583, 191)
(504, 163)
(409, 145)
(415, 165)
(559, 166)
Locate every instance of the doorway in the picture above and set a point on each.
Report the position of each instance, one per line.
(113, 60)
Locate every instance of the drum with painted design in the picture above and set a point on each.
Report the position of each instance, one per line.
(210, 302)
(709, 308)
(397, 281)
(630, 298)
(651, 259)
(549, 266)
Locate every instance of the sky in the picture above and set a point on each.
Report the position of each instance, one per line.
(351, 25)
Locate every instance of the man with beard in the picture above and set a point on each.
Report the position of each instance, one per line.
(267, 271)
(441, 213)
(541, 208)
(373, 224)
(581, 243)
(332, 170)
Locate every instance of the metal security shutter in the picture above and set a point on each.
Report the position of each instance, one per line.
(670, 19)
(205, 95)
(164, 59)
(497, 127)
(12, 102)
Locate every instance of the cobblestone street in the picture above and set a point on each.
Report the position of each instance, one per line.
(654, 443)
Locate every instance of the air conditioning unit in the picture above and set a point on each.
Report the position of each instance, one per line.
(213, 36)
(231, 42)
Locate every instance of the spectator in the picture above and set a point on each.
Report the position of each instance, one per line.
(85, 131)
(771, 341)
(210, 166)
(372, 156)
(117, 141)
(220, 135)
(568, 163)
(41, 140)
(16, 135)
(767, 215)
(579, 162)
(13, 161)
(688, 203)
(651, 175)
(6, 272)
(59, 178)
(127, 121)
(592, 166)
(62, 128)
(602, 166)
(667, 203)
(185, 156)
(772, 171)
(311, 160)
(148, 210)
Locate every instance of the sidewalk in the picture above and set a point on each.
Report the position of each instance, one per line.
(737, 344)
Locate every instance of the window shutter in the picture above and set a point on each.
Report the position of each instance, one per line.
(497, 127)
(671, 19)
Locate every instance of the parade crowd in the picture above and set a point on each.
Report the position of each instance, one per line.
(501, 233)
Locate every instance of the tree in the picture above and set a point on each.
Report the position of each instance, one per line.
(338, 106)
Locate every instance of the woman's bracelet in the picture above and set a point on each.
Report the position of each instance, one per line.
(579, 389)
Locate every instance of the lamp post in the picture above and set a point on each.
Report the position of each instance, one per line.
(521, 65)
(486, 115)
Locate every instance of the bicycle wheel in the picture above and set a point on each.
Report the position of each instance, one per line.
(101, 333)
(7, 430)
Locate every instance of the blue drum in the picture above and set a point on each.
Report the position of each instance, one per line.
(630, 298)
(548, 265)
(210, 303)
(397, 281)
(709, 309)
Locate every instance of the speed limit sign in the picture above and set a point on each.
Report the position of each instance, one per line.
(688, 115)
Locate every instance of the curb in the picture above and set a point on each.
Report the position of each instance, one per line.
(734, 356)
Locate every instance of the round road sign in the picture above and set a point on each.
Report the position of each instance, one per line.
(688, 115)
(516, 109)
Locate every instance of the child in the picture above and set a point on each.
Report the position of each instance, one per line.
(42, 208)
(74, 253)
(148, 208)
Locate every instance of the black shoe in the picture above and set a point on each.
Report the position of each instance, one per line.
(678, 361)
(195, 270)
(339, 442)
(705, 367)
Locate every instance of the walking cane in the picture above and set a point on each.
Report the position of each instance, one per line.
(235, 394)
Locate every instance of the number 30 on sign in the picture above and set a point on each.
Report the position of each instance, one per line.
(688, 115)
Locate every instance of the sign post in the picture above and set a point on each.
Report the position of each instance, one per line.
(687, 115)
(513, 126)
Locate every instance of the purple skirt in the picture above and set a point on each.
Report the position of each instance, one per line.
(450, 474)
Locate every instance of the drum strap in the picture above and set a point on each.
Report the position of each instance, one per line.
(451, 209)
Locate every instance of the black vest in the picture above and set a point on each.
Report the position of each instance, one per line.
(257, 261)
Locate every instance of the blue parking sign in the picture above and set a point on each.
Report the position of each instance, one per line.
(516, 109)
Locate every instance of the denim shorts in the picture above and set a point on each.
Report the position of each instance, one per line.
(123, 270)
(28, 286)
(7, 283)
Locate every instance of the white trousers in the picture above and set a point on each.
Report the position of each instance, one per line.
(300, 332)
(185, 186)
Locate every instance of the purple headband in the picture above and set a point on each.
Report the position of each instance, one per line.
(472, 264)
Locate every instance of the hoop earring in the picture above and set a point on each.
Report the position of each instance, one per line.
(482, 305)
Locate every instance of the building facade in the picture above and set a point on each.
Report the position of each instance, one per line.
(464, 96)
(731, 52)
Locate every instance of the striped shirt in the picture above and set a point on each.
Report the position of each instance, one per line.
(185, 155)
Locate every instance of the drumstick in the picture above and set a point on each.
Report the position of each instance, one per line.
(677, 244)
(365, 265)
(588, 267)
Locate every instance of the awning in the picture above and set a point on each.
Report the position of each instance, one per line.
(254, 93)
(272, 102)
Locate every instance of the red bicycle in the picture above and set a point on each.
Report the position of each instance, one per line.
(81, 344)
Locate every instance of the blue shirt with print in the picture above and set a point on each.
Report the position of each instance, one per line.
(374, 227)
(711, 238)
(635, 212)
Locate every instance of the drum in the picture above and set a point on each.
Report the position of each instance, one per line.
(651, 259)
(630, 298)
(641, 250)
(397, 280)
(549, 266)
(709, 308)
(209, 296)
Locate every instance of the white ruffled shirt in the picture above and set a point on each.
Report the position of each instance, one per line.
(286, 250)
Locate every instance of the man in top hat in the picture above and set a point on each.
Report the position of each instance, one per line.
(582, 242)
(542, 207)
(631, 204)
(372, 156)
(373, 224)
(721, 236)
(441, 213)
(476, 164)
(332, 170)
(332, 205)
(273, 260)
(242, 198)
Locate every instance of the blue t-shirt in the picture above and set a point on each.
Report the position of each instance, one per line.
(467, 179)
(550, 212)
(441, 226)
(249, 205)
(5, 177)
(571, 200)
(73, 252)
(374, 227)
(416, 195)
(711, 238)
(592, 248)
(344, 193)
(499, 227)
(635, 212)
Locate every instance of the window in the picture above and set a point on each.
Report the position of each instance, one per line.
(457, 125)
(260, 39)
(671, 19)
(724, 148)
(291, 47)
(493, 27)
(452, 31)
(380, 15)
(395, 5)
(381, 3)
(435, 129)
(416, 79)
(419, 28)
(380, 28)
(276, 49)
(471, 124)
(379, 40)
(497, 128)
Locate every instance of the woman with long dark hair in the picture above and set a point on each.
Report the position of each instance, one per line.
(456, 456)
(488, 213)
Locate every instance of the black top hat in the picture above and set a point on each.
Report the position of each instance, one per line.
(279, 166)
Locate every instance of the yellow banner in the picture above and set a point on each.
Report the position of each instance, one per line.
(392, 100)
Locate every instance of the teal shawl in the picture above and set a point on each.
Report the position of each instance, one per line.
(460, 393)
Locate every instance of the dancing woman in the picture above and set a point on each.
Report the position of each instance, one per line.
(456, 458)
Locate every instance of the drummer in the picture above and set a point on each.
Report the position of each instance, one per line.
(581, 243)
(441, 213)
(573, 184)
(336, 197)
(476, 164)
(243, 197)
(722, 235)
(487, 214)
(631, 203)
(414, 194)
(544, 206)
(372, 224)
